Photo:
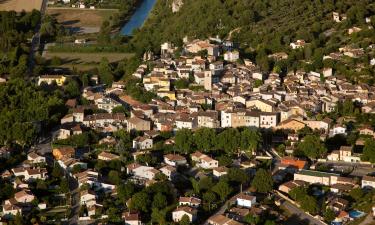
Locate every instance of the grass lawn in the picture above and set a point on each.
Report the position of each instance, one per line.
(74, 17)
(20, 5)
(86, 61)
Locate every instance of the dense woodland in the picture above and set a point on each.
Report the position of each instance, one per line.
(15, 31)
(26, 111)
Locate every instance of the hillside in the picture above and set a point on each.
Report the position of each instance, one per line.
(269, 22)
(263, 27)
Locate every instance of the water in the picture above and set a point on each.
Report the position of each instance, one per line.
(139, 17)
(356, 214)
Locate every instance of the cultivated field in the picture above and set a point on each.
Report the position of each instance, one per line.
(85, 61)
(81, 20)
(20, 5)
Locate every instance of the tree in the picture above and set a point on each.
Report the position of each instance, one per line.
(238, 175)
(250, 140)
(114, 177)
(158, 216)
(251, 219)
(329, 215)
(369, 151)
(140, 201)
(105, 72)
(356, 194)
(125, 191)
(209, 197)
(184, 140)
(72, 89)
(312, 147)
(309, 204)
(64, 185)
(185, 220)
(262, 181)
(205, 139)
(57, 172)
(159, 201)
(229, 140)
(222, 189)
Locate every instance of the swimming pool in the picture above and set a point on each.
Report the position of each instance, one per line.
(356, 214)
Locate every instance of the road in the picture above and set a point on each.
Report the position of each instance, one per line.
(358, 169)
(300, 214)
(35, 41)
(369, 220)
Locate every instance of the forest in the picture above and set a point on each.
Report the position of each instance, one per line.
(16, 29)
(25, 111)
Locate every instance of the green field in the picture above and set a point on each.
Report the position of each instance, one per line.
(85, 61)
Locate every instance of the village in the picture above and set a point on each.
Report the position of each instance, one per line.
(302, 159)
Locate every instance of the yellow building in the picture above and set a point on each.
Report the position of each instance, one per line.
(49, 79)
(262, 105)
(291, 124)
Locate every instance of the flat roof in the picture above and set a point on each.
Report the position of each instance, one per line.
(316, 173)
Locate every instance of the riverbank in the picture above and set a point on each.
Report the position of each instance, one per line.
(138, 18)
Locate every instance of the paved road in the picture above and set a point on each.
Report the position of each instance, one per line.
(301, 215)
(36, 37)
(369, 220)
(298, 215)
(358, 169)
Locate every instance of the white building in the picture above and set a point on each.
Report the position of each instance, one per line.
(181, 211)
(245, 200)
(368, 182)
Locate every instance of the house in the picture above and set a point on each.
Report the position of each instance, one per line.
(106, 156)
(30, 174)
(368, 182)
(316, 177)
(88, 198)
(49, 79)
(293, 162)
(24, 196)
(337, 204)
(189, 201)
(181, 211)
(169, 171)
(291, 124)
(366, 130)
(338, 129)
(138, 124)
(268, 120)
(58, 153)
(231, 56)
(131, 218)
(220, 171)
(345, 153)
(245, 200)
(34, 158)
(261, 104)
(298, 44)
(143, 172)
(290, 185)
(174, 160)
(142, 142)
(204, 161)
(10, 208)
(219, 219)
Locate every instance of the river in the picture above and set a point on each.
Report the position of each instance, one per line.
(139, 17)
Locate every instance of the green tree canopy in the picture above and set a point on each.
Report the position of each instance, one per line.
(312, 147)
(262, 181)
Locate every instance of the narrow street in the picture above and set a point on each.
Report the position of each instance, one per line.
(75, 202)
